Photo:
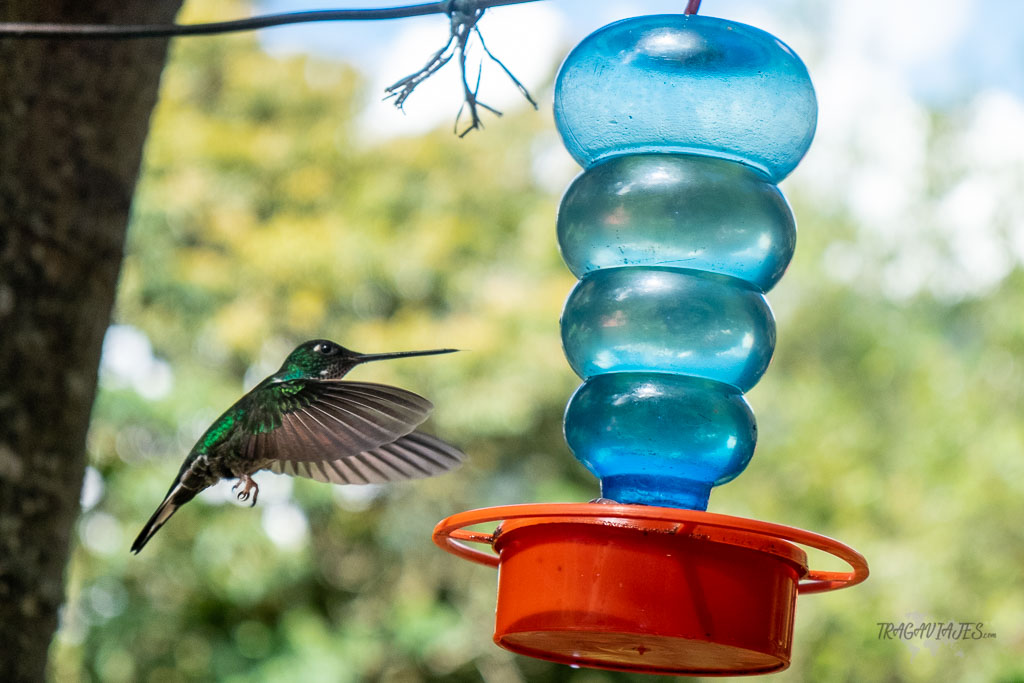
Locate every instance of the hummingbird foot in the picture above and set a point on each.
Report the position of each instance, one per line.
(606, 501)
(250, 489)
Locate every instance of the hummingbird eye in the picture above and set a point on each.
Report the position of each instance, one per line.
(326, 349)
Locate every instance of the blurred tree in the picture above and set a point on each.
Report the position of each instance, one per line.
(74, 117)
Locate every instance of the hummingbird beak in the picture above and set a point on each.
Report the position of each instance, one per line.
(367, 357)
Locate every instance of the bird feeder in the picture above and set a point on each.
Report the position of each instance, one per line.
(684, 125)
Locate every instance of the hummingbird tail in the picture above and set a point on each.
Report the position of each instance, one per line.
(176, 497)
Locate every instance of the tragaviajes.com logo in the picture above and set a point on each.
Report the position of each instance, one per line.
(919, 632)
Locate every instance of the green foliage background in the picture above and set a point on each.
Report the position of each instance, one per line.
(263, 220)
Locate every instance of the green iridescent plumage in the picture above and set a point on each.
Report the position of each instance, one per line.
(304, 420)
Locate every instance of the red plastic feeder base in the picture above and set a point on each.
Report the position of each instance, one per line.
(650, 589)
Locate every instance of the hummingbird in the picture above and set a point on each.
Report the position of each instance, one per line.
(305, 421)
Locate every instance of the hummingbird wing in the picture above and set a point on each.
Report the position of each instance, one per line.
(412, 456)
(324, 420)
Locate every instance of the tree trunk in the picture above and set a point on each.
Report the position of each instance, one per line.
(73, 119)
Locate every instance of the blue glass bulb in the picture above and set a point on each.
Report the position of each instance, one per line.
(678, 211)
(690, 84)
(668, 320)
(658, 439)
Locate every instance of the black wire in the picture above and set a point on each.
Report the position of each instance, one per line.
(126, 31)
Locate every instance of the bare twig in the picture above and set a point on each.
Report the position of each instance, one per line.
(520, 86)
(403, 88)
(464, 15)
(126, 31)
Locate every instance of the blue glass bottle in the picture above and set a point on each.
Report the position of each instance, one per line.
(684, 125)
(678, 211)
(660, 439)
(686, 84)
(668, 320)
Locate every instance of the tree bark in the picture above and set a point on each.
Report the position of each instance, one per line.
(73, 120)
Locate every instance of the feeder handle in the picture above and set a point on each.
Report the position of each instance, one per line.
(451, 535)
(457, 538)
